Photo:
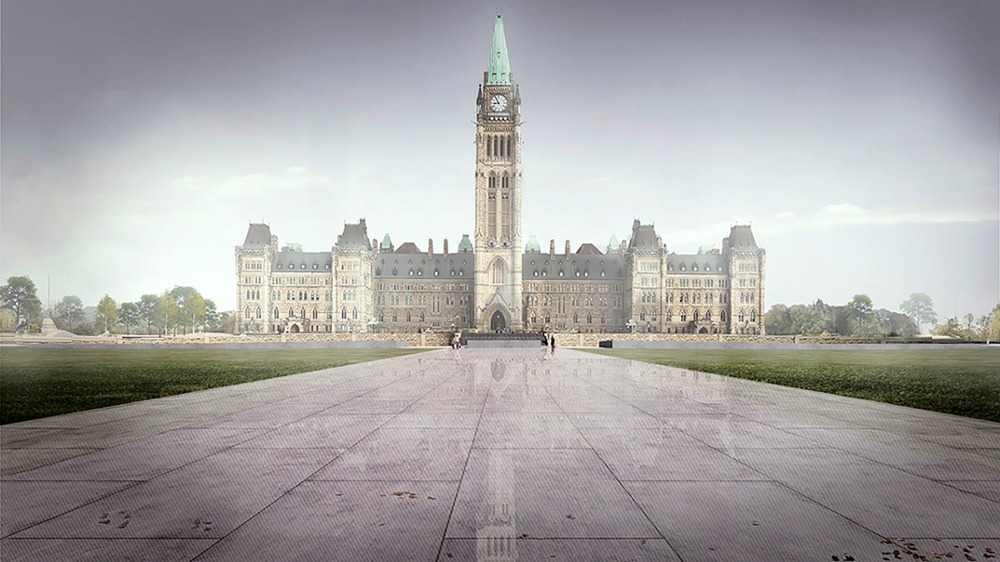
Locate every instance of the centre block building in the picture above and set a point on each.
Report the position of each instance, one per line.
(495, 280)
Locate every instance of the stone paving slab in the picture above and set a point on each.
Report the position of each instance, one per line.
(500, 454)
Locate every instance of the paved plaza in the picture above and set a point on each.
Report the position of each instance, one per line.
(501, 455)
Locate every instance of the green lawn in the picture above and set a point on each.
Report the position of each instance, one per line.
(40, 381)
(965, 382)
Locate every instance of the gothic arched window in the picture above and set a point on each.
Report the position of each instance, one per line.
(498, 272)
(489, 146)
(493, 181)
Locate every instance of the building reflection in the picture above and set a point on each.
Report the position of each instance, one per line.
(496, 533)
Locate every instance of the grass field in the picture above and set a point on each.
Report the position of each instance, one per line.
(965, 382)
(40, 381)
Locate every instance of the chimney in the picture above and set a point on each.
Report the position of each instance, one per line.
(445, 248)
(659, 241)
(430, 248)
(567, 249)
(552, 249)
(375, 246)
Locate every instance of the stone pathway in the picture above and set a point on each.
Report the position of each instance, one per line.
(501, 454)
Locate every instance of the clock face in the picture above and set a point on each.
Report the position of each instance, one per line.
(498, 103)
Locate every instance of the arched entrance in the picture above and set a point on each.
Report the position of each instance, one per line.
(703, 331)
(294, 329)
(498, 322)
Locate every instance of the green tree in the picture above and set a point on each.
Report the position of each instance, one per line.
(778, 321)
(106, 315)
(211, 315)
(165, 313)
(861, 314)
(147, 310)
(70, 309)
(920, 308)
(991, 325)
(18, 296)
(6, 320)
(191, 306)
(227, 322)
(128, 315)
(192, 310)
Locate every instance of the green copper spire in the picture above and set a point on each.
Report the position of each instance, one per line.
(498, 71)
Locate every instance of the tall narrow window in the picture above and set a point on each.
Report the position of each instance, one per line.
(498, 272)
(510, 145)
(496, 144)
(489, 146)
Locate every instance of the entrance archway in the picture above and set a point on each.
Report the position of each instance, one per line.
(498, 322)
(294, 329)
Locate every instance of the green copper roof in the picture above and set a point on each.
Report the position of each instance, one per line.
(386, 242)
(498, 71)
(532, 245)
(613, 244)
(465, 245)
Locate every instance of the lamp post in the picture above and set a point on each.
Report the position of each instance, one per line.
(630, 325)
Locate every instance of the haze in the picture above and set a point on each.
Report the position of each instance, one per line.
(860, 139)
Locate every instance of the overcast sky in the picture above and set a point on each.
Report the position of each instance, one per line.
(860, 138)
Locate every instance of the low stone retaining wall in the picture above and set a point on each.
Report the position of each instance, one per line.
(443, 339)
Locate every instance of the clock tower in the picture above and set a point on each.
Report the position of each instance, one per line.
(498, 193)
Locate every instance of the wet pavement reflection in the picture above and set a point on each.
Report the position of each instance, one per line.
(495, 454)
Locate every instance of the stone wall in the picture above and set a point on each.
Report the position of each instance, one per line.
(441, 339)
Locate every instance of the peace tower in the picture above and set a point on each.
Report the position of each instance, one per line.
(498, 193)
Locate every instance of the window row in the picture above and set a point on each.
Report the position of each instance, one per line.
(668, 316)
(302, 295)
(303, 280)
(697, 298)
(504, 180)
(574, 288)
(499, 146)
(302, 314)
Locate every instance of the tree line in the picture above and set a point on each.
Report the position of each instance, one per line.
(182, 309)
(860, 317)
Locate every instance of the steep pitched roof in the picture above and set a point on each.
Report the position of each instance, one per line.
(643, 238)
(582, 267)
(257, 235)
(465, 245)
(408, 248)
(588, 249)
(498, 70)
(741, 238)
(302, 262)
(708, 264)
(417, 266)
(355, 237)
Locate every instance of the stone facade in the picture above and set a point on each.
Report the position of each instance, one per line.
(492, 281)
